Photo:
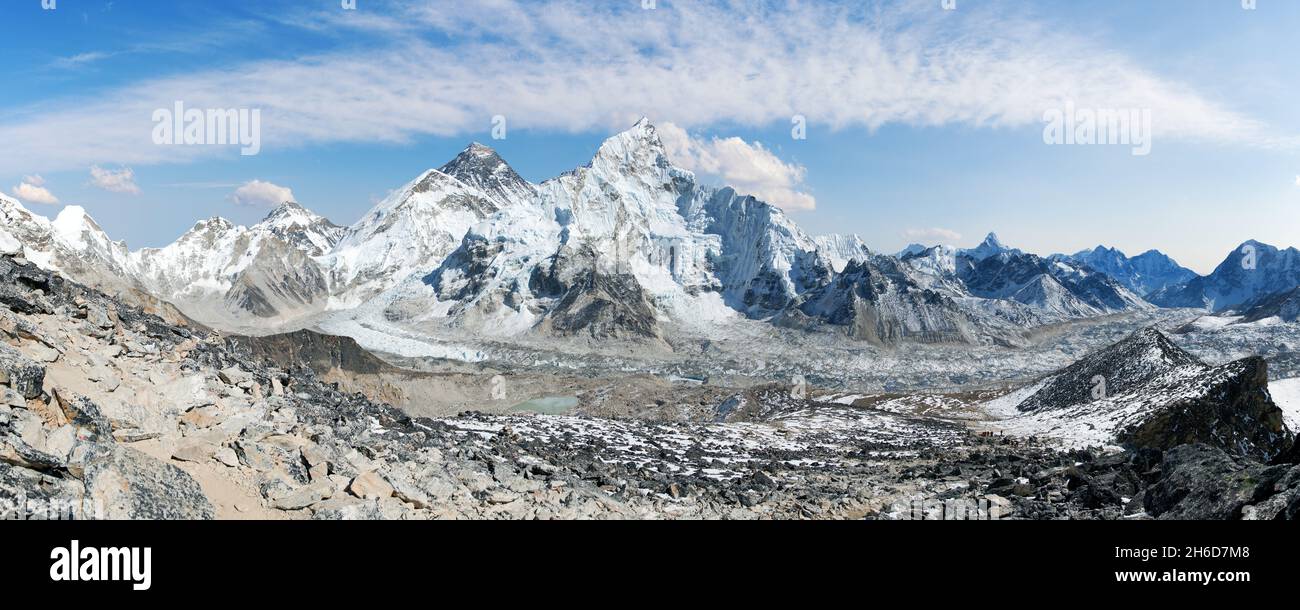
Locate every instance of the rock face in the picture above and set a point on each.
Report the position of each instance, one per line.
(879, 302)
(1204, 483)
(26, 377)
(1145, 392)
(308, 348)
(1230, 409)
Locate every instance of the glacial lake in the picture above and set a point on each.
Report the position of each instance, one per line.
(551, 405)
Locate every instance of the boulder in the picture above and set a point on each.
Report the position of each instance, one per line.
(307, 496)
(24, 375)
(134, 486)
(194, 451)
(370, 486)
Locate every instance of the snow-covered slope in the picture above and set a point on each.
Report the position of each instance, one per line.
(233, 276)
(841, 250)
(1286, 393)
(624, 247)
(1252, 271)
(1143, 274)
(412, 231)
(628, 223)
(1146, 392)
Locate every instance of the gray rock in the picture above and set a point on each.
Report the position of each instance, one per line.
(25, 375)
(132, 485)
(194, 451)
(235, 376)
(1200, 482)
(307, 496)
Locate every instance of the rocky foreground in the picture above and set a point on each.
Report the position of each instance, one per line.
(109, 412)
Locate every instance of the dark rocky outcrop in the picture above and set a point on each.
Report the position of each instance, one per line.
(1204, 483)
(306, 347)
(1232, 411)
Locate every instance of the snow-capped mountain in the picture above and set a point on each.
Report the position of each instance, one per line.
(415, 228)
(74, 245)
(994, 271)
(991, 246)
(1143, 274)
(231, 276)
(1146, 392)
(623, 247)
(629, 223)
(841, 250)
(1252, 271)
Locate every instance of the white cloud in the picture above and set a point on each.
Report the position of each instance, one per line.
(257, 193)
(933, 234)
(1297, 180)
(120, 181)
(32, 191)
(81, 59)
(580, 66)
(750, 168)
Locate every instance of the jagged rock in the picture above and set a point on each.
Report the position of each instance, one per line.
(134, 436)
(132, 485)
(60, 442)
(254, 456)
(234, 376)
(307, 496)
(370, 486)
(347, 509)
(227, 456)
(24, 375)
(1201, 482)
(86, 415)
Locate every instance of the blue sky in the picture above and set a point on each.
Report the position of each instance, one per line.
(924, 124)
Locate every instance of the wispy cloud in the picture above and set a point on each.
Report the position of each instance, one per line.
(750, 168)
(81, 59)
(449, 66)
(32, 190)
(259, 194)
(116, 181)
(932, 235)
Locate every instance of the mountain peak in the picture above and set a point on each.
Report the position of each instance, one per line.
(991, 246)
(481, 167)
(637, 147)
(290, 214)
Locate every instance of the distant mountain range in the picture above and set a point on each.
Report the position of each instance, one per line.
(627, 247)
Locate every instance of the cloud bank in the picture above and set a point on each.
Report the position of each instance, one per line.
(445, 67)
